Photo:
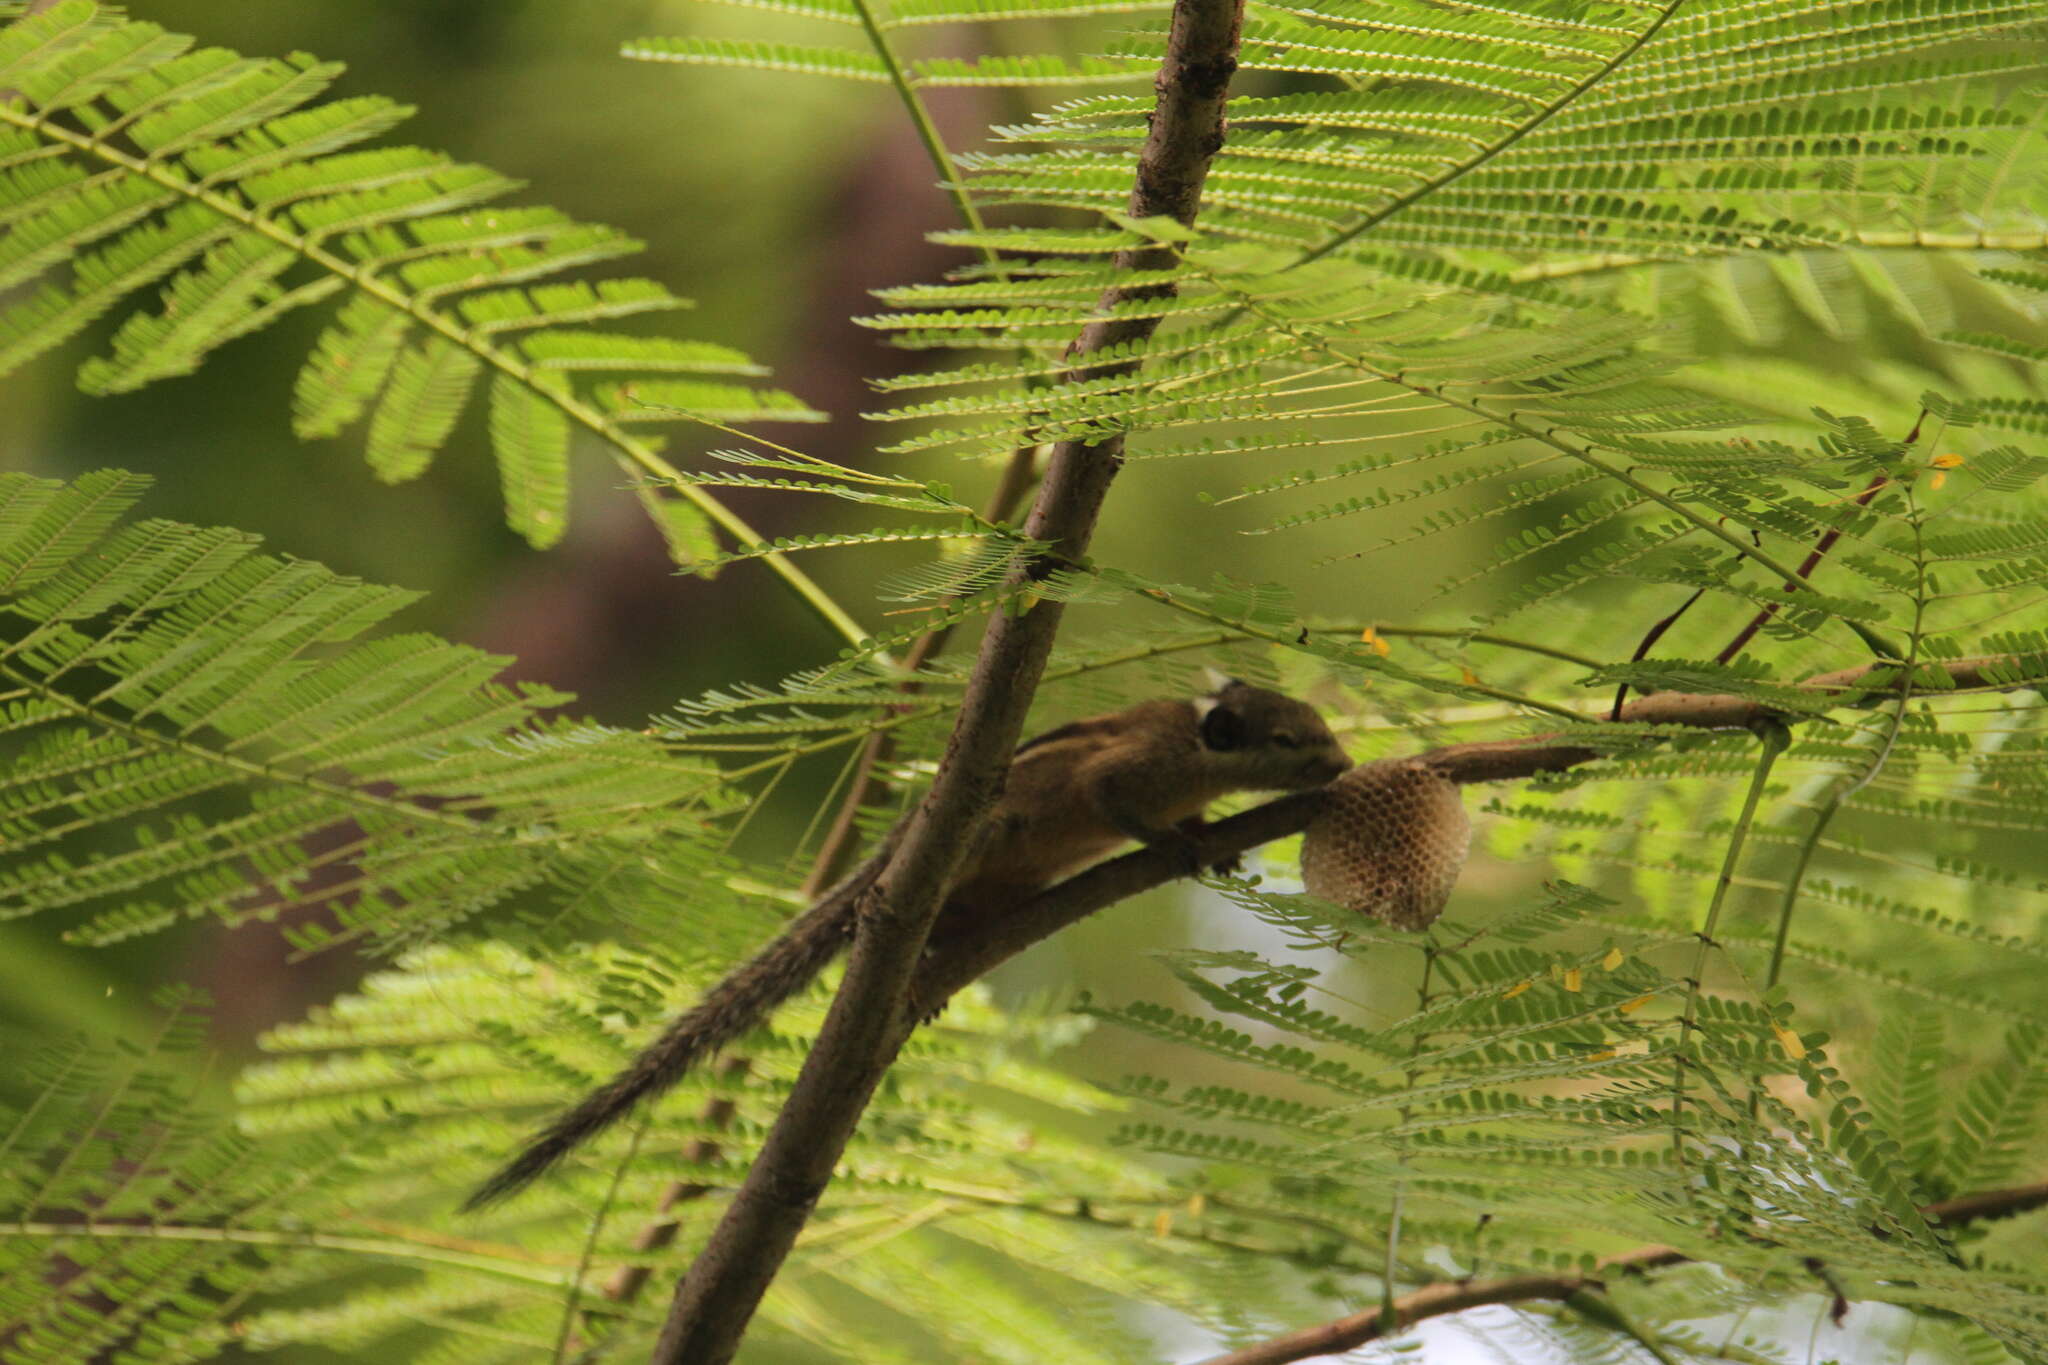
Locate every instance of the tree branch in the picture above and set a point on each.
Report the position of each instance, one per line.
(1986, 1205)
(964, 958)
(869, 1018)
(1437, 1300)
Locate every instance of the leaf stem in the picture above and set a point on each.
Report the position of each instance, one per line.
(1871, 241)
(1774, 739)
(1292, 640)
(249, 769)
(927, 130)
(907, 713)
(1018, 473)
(1492, 150)
(1391, 1273)
(504, 1264)
(629, 448)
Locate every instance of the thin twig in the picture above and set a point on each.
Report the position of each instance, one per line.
(868, 1020)
(1812, 561)
(839, 841)
(626, 1282)
(1018, 475)
(1649, 641)
(1820, 551)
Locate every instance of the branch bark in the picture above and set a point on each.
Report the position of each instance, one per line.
(1437, 1300)
(870, 1018)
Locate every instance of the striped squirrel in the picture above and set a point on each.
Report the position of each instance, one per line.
(1073, 794)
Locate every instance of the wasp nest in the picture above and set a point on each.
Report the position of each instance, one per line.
(1388, 842)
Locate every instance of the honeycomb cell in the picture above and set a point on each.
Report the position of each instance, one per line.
(1389, 842)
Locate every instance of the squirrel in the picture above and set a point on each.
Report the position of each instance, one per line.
(1073, 794)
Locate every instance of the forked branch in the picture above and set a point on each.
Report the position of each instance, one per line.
(870, 1017)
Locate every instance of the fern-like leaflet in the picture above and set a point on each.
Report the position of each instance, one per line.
(139, 160)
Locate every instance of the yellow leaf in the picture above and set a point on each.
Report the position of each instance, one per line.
(1163, 1224)
(1470, 678)
(1789, 1040)
(1513, 991)
(1615, 957)
(1946, 461)
(1379, 646)
(1939, 478)
(1631, 1006)
(1197, 1203)
(1605, 1054)
(1572, 979)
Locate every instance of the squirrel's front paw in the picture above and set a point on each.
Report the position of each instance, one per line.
(1182, 849)
(1191, 831)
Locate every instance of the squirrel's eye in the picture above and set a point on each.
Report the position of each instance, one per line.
(1286, 741)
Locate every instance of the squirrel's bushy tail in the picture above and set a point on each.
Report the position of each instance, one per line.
(728, 1010)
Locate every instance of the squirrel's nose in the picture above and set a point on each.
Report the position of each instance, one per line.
(1329, 767)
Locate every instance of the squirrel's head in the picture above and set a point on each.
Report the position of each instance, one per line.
(1268, 741)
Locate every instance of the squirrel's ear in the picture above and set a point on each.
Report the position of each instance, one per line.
(1218, 679)
(1222, 728)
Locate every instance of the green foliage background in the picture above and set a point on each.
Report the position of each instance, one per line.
(191, 716)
